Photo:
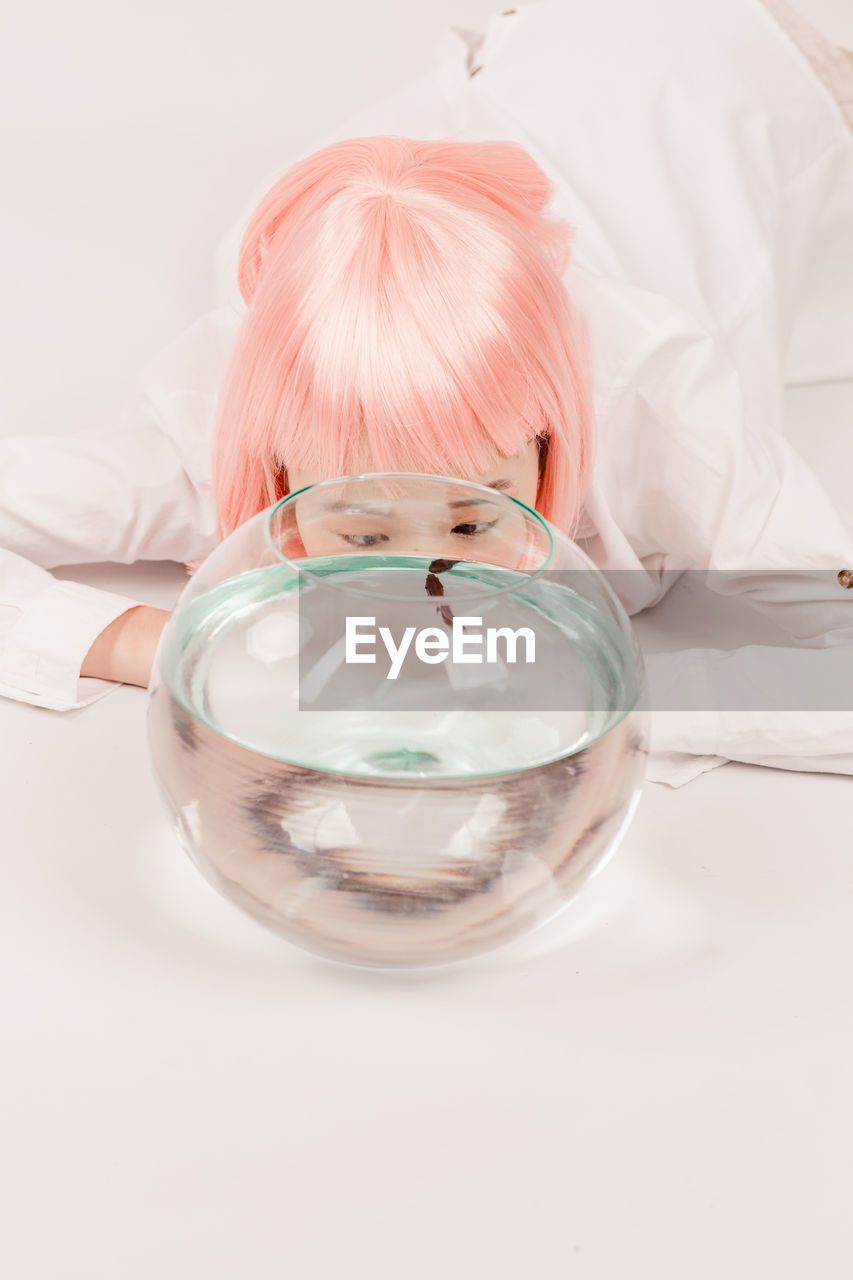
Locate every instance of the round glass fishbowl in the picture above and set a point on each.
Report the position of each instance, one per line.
(399, 719)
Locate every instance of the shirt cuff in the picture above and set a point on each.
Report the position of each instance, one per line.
(43, 650)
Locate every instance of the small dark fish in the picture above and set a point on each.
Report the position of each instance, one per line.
(436, 588)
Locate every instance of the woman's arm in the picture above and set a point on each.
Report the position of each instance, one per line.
(710, 491)
(139, 491)
(124, 650)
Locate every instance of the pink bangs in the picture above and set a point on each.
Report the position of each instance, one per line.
(405, 313)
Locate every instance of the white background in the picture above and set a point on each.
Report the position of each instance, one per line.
(183, 1095)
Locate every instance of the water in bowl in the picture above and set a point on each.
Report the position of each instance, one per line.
(391, 836)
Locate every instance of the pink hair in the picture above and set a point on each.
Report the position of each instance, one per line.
(404, 306)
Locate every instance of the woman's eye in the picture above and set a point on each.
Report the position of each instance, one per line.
(364, 539)
(472, 530)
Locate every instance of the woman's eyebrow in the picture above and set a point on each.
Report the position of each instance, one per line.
(479, 502)
(353, 509)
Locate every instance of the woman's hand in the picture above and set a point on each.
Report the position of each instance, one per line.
(124, 651)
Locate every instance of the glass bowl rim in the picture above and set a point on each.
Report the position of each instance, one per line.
(495, 494)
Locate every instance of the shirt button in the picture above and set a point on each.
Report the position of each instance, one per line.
(845, 577)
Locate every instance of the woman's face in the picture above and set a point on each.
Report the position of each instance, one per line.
(441, 529)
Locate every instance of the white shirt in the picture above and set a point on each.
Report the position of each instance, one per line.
(710, 261)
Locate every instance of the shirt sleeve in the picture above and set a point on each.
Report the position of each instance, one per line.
(140, 490)
(718, 494)
(47, 627)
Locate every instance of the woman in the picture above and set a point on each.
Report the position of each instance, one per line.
(699, 193)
